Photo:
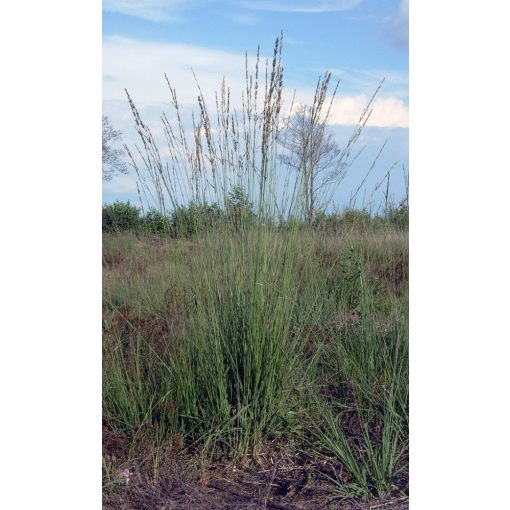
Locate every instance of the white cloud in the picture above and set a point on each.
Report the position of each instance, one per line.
(301, 5)
(152, 10)
(387, 111)
(166, 10)
(140, 67)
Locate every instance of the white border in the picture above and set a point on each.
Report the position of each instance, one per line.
(51, 255)
(459, 112)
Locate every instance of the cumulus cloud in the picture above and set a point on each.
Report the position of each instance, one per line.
(387, 111)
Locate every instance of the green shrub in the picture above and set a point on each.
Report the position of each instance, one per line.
(355, 218)
(335, 222)
(120, 216)
(156, 222)
(398, 216)
(239, 209)
(195, 219)
(330, 223)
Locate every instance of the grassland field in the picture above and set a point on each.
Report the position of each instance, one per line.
(256, 370)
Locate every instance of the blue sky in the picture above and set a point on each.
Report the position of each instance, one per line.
(359, 41)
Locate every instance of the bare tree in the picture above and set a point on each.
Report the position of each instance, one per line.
(112, 162)
(311, 150)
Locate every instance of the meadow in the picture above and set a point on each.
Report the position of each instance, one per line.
(216, 362)
(255, 350)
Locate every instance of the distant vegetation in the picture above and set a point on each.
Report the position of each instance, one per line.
(195, 219)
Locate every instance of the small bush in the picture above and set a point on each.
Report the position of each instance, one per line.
(195, 219)
(356, 218)
(330, 223)
(156, 223)
(239, 209)
(120, 216)
(338, 221)
(398, 216)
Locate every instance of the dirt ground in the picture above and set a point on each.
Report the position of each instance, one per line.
(181, 487)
